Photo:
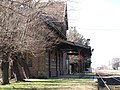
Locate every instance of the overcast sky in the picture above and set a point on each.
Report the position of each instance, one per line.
(98, 20)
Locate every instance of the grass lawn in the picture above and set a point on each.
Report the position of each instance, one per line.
(52, 84)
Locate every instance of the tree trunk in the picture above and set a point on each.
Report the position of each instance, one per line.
(17, 71)
(27, 71)
(23, 64)
(19, 59)
(5, 69)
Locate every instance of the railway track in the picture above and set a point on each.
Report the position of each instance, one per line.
(108, 82)
(102, 82)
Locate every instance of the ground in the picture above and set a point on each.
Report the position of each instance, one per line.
(81, 83)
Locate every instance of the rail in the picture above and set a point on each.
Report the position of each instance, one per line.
(104, 82)
(117, 80)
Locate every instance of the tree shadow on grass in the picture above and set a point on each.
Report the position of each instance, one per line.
(42, 85)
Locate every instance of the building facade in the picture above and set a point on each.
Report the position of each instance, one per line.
(40, 34)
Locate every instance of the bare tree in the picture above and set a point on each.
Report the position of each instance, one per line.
(74, 36)
(18, 18)
(115, 63)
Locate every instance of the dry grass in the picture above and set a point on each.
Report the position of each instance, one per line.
(109, 72)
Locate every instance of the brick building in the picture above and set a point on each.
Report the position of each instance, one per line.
(43, 38)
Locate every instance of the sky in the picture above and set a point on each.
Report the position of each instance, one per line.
(98, 20)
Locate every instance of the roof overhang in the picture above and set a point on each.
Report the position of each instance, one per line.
(64, 45)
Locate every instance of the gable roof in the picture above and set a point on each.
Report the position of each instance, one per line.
(54, 14)
(54, 24)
